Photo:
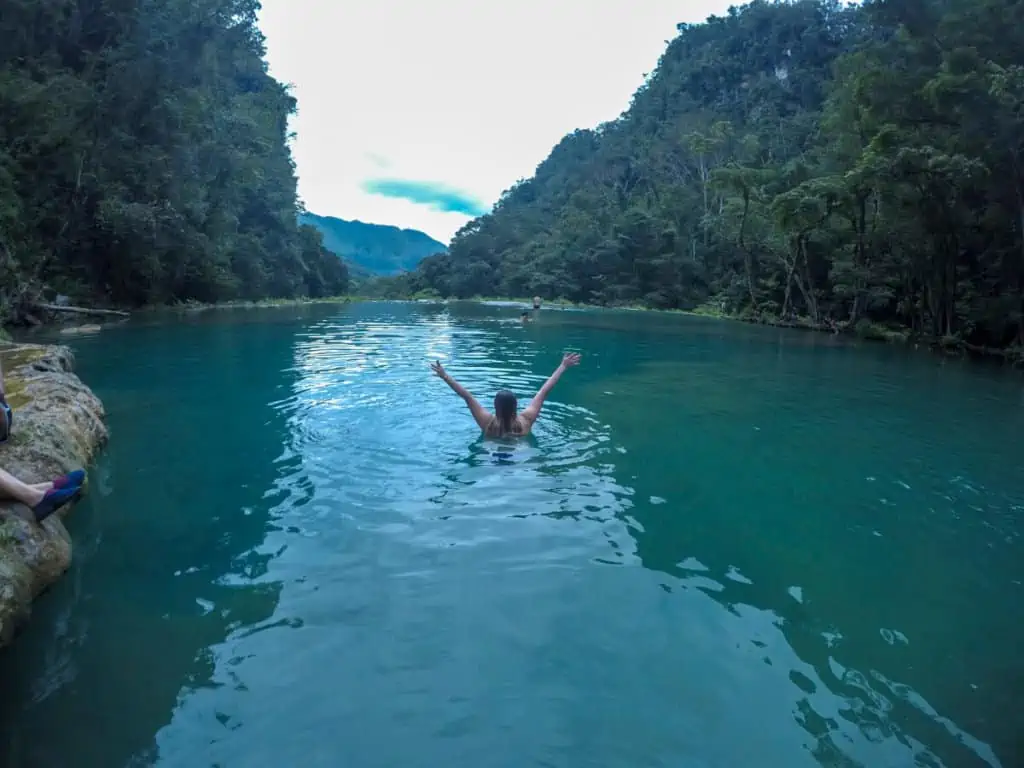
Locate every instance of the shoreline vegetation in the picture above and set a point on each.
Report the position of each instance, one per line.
(864, 331)
(854, 168)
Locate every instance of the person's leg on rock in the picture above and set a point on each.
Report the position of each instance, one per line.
(42, 498)
(12, 488)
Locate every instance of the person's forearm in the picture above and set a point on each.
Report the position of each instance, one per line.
(459, 390)
(552, 380)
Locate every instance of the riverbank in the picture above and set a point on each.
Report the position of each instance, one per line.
(82, 324)
(97, 317)
(525, 303)
(865, 330)
(59, 425)
(196, 306)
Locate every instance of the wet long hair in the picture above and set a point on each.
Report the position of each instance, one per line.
(505, 405)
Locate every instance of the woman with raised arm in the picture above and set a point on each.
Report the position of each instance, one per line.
(505, 421)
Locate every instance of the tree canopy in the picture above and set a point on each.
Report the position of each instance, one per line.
(144, 157)
(849, 166)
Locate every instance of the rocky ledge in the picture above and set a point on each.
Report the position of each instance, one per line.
(58, 426)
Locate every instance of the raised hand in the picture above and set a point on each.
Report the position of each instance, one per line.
(437, 368)
(571, 359)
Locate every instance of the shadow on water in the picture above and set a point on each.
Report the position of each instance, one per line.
(165, 559)
(723, 544)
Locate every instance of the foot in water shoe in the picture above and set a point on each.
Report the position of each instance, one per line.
(54, 500)
(6, 419)
(70, 480)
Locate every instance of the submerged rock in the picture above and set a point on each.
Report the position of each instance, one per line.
(58, 426)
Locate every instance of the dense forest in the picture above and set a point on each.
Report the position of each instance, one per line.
(144, 157)
(851, 167)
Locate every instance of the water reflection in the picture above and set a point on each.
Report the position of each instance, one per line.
(166, 546)
(554, 507)
(685, 562)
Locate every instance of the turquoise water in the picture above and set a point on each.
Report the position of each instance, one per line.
(725, 546)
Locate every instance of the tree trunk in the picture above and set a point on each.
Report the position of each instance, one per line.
(704, 175)
(790, 270)
(83, 310)
(932, 307)
(789, 289)
(951, 296)
(805, 286)
(1020, 319)
(855, 310)
(861, 260)
(748, 260)
(1019, 187)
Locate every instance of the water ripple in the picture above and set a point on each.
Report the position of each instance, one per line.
(424, 552)
(387, 483)
(722, 545)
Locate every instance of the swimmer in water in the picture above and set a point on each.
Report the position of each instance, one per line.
(505, 421)
(525, 317)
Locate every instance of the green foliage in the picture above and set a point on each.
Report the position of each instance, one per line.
(374, 249)
(803, 162)
(400, 286)
(143, 157)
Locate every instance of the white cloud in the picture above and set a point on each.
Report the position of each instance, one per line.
(471, 95)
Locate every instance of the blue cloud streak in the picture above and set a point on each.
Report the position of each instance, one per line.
(437, 196)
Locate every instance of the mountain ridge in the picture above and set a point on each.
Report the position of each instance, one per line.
(374, 249)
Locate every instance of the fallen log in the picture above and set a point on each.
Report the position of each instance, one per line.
(84, 310)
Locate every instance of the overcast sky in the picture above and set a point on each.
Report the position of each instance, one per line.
(420, 114)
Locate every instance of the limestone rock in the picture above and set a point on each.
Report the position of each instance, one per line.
(58, 426)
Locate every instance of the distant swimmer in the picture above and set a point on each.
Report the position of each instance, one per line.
(524, 317)
(536, 302)
(505, 421)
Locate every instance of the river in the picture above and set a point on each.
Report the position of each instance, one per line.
(725, 545)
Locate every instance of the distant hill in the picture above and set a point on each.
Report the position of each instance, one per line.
(374, 248)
